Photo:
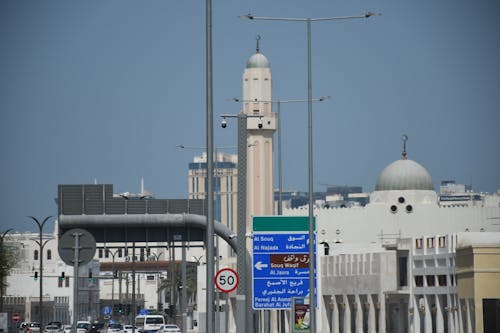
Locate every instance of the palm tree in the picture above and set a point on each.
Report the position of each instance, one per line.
(173, 282)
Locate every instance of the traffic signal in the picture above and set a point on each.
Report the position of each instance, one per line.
(90, 276)
(63, 276)
(160, 307)
(115, 274)
(120, 308)
(36, 276)
(128, 309)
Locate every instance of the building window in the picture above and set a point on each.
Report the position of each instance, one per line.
(150, 277)
(106, 254)
(119, 252)
(403, 271)
(442, 241)
(442, 280)
(418, 243)
(100, 253)
(35, 255)
(49, 254)
(431, 281)
(59, 282)
(419, 281)
(66, 282)
(430, 243)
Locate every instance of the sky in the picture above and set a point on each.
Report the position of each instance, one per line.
(104, 91)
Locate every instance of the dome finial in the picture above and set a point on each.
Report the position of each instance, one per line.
(257, 48)
(404, 138)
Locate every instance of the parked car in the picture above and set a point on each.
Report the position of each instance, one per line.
(33, 328)
(52, 329)
(67, 329)
(115, 328)
(170, 328)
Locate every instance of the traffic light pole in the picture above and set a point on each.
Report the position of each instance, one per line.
(75, 282)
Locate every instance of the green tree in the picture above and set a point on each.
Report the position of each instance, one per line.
(173, 282)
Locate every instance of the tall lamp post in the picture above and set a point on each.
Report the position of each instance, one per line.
(2, 269)
(308, 20)
(278, 103)
(41, 243)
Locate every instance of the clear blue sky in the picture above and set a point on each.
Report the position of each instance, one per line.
(105, 90)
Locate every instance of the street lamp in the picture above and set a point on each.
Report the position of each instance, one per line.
(41, 243)
(278, 103)
(2, 237)
(308, 20)
(243, 305)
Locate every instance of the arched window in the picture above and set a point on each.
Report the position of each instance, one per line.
(49, 254)
(35, 255)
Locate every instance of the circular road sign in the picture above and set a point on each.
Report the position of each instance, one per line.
(226, 280)
(16, 317)
(86, 246)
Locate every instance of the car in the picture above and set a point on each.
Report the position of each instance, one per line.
(83, 326)
(128, 329)
(33, 328)
(170, 328)
(52, 329)
(97, 328)
(57, 323)
(67, 329)
(115, 328)
(23, 326)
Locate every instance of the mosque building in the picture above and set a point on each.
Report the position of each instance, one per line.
(395, 265)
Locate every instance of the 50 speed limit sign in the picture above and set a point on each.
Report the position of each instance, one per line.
(226, 280)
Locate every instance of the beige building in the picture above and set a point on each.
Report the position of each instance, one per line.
(478, 277)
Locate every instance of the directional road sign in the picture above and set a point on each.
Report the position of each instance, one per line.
(280, 260)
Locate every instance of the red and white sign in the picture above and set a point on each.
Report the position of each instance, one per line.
(16, 317)
(226, 280)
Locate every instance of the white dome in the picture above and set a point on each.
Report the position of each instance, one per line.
(404, 175)
(258, 60)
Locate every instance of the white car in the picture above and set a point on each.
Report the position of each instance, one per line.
(170, 328)
(67, 329)
(128, 329)
(115, 328)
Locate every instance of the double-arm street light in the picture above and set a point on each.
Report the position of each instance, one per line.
(41, 243)
(308, 20)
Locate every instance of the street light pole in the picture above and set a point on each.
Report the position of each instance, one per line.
(312, 261)
(4, 253)
(278, 103)
(41, 244)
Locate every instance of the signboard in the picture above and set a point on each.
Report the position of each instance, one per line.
(226, 280)
(301, 317)
(280, 260)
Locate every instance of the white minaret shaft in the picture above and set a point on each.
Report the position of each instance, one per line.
(257, 97)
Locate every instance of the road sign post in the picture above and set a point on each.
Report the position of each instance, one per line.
(280, 261)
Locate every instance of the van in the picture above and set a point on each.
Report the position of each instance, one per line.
(149, 323)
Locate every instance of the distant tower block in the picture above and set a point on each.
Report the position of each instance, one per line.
(257, 97)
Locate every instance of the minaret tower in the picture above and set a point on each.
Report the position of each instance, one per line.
(257, 101)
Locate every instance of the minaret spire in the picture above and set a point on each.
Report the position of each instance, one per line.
(257, 48)
(404, 138)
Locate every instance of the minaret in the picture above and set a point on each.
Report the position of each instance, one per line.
(257, 101)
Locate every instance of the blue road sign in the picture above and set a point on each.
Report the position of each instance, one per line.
(280, 268)
(106, 310)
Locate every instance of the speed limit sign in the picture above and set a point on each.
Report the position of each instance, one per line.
(226, 280)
